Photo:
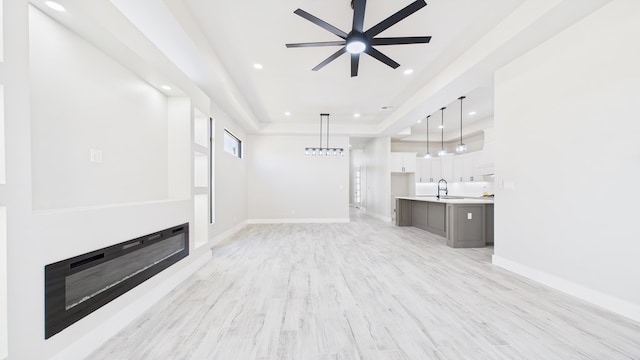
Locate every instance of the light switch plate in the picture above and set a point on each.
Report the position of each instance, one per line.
(95, 156)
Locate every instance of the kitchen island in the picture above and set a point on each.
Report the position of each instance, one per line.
(465, 222)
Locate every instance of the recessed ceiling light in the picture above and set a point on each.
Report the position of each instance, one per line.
(349, 145)
(356, 115)
(419, 121)
(287, 113)
(472, 113)
(408, 72)
(258, 66)
(54, 5)
(166, 87)
(440, 126)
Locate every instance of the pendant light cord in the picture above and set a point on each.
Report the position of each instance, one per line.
(327, 131)
(428, 116)
(461, 98)
(442, 129)
(320, 132)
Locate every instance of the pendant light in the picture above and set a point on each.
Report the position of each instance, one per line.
(321, 151)
(443, 150)
(461, 147)
(427, 154)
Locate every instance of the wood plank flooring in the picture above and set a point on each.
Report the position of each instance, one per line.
(365, 290)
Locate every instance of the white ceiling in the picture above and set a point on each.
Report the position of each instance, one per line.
(242, 33)
(214, 44)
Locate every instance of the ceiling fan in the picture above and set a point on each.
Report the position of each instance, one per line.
(358, 40)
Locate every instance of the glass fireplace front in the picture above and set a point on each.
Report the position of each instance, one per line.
(77, 286)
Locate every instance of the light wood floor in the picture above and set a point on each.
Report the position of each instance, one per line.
(365, 290)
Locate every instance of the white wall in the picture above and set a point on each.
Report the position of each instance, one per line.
(37, 238)
(378, 190)
(565, 213)
(231, 202)
(285, 185)
(82, 100)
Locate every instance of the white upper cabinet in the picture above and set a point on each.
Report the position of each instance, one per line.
(402, 162)
(429, 170)
(463, 167)
(484, 163)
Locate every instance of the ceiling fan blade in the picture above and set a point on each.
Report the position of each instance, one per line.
(395, 18)
(358, 15)
(401, 40)
(323, 24)
(313, 44)
(355, 62)
(381, 57)
(334, 56)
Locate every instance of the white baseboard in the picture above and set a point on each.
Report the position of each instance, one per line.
(379, 217)
(595, 297)
(95, 338)
(298, 221)
(227, 233)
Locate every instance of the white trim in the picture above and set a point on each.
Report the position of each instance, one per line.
(227, 233)
(298, 221)
(87, 344)
(595, 297)
(379, 217)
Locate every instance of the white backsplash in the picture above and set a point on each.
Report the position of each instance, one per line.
(473, 189)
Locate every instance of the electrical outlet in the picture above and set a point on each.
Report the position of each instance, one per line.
(469, 216)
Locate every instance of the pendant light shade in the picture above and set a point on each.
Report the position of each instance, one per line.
(461, 146)
(323, 151)
(443, 150)
(427, 154)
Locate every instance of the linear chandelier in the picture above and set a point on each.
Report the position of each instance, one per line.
(323, 151)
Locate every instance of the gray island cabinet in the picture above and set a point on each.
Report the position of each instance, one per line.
(466, 223)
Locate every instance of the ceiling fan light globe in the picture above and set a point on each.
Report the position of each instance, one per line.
(356, 46)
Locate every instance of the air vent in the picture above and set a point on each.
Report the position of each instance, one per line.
(387, 108)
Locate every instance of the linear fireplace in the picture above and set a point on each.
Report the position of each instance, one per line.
(78, 286)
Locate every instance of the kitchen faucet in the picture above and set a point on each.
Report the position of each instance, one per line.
(445, 188)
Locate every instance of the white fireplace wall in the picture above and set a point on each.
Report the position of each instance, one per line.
(83, 101)
(56, 229)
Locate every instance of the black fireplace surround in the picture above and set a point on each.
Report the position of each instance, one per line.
(78, 286)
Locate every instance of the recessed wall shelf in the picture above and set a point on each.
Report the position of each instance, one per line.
(3, 178)
(201, 189)
(200, 128)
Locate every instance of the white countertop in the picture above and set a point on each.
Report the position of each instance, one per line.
(432, 198)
